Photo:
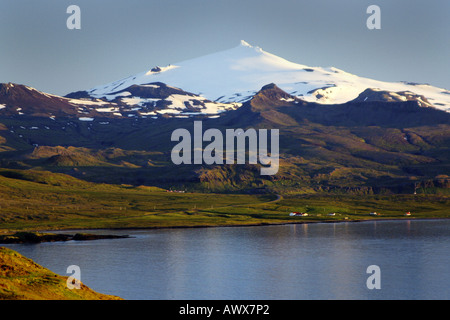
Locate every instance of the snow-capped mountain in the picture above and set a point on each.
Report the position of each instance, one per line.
(235, 75)
(210, 85)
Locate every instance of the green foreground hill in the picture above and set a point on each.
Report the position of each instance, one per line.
(23, 279)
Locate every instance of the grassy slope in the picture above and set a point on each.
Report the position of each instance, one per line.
(60, 201)
(23, 279)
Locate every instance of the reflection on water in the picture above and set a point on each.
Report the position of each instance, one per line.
(304, 261)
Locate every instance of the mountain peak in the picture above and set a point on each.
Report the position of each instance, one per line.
(245, 46)
(272, 89)
(270, 86)
(389, 96)
(244, 43)
(271, 94)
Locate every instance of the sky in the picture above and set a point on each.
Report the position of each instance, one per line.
(121, 38)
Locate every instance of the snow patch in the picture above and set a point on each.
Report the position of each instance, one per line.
(87, 102)
(151, 113)
(138, 101)
(109, 109)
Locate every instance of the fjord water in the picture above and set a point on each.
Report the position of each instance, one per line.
(302, 261)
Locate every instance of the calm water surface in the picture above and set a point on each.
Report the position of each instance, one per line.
(304, 261)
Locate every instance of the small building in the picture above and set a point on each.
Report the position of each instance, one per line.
(298, 214)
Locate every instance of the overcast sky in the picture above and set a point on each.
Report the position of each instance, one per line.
(121, 38)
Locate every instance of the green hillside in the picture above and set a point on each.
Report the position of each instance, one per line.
(23, 279)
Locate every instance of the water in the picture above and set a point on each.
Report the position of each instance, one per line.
(289, 262)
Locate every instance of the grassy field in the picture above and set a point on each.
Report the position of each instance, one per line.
(38, 200)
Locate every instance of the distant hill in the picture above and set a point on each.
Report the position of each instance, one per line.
(387, 142)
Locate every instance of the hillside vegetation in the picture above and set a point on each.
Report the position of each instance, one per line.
(23, 279)
(42, 200)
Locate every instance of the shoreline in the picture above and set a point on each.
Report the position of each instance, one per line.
(8, 232)
(244, 225)
(29, 237)
(261, 214)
